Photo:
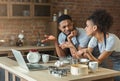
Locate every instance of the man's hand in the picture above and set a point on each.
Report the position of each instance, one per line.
(65, 45)
(48, 38)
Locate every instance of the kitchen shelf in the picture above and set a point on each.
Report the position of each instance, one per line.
(4, 10)
(25, 9)
(42, 10)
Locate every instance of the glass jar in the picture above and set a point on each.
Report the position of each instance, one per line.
(54, 17)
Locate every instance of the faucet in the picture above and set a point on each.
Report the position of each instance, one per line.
(38, 40)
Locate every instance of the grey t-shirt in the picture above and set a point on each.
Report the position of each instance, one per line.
(112, 44)
(80, 40)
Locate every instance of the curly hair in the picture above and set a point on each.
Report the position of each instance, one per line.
(102, 19)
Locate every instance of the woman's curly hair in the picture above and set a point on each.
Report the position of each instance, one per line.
(102, 19)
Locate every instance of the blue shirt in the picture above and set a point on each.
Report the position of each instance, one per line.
(80, 40)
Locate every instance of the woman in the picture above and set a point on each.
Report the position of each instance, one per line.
(98, 25)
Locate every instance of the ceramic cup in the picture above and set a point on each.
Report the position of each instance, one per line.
(79, 69)
(45, 58)
(93, 66)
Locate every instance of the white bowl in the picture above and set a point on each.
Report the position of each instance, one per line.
(84, 60)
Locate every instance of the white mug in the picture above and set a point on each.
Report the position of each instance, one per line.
(79, 69)
(93, 66)
(45, 58)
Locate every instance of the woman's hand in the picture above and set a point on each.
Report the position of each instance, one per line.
(48, 38)
(81, 54)
(78, 54)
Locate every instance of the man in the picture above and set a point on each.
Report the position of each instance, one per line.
(70, 38)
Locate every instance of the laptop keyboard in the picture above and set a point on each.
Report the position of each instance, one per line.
(36, 66)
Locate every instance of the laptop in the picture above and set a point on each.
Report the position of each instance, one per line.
(28, 66)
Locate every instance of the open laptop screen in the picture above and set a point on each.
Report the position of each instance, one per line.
(18, 56)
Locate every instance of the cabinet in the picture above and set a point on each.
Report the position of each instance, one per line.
(4, 9)
(25, 8)
(9, 76)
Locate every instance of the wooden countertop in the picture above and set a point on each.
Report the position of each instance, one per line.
(25, 48)
(43, 75)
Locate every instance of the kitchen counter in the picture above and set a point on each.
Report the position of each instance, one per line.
(11, 66)
(25, 48)
(7, 50)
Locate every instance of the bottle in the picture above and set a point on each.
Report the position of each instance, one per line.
(59, 13)
(38, 40)
(65, 11)
(20, 40)
(54, 17)
(21, 35)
